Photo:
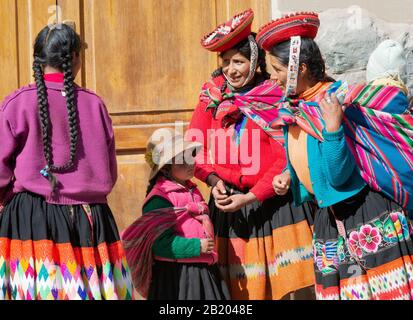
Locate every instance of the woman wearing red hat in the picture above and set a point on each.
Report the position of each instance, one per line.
(263, 241)
(362, 239)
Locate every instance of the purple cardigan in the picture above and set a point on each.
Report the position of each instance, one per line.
(21, 147)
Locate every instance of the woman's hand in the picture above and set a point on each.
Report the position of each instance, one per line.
(281, 183)
(207, 245)
(332, 113)
(236, 202)
(219, 192)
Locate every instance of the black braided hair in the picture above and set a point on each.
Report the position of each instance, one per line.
(263, 68)
(55, 47)
(310, 54)
(216, 73)
(152, 183)
(164, 172)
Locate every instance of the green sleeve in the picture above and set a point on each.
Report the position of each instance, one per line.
(168, 244)
(156, 202)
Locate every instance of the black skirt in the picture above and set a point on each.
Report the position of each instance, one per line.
(374, 259)
(60, 252)
(186, 281)
(265, 249)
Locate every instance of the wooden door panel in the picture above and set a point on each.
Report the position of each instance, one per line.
(133, 136)
(144, 59)
(72, 10)
(127, 197)
(32, 16)
(262, 10)
(24, 19)
(9, 56)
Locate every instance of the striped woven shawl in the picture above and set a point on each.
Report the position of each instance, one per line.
(378, 127)
(138, 240)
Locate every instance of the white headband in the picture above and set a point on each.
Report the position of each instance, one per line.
(254, 59)
(293, 66)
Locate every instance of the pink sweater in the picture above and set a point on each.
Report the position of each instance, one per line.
(186, 225)
(21, 148)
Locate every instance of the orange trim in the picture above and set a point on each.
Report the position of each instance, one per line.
(236, 253)
(364, 279)
(61, 253)
(255, 250)
(380, 270)
(297, 152)
(289, 279)
(309, 94)
(330, 291)
(396, 293)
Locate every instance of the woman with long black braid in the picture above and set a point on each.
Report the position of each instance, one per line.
(44, 113)
(58, 237)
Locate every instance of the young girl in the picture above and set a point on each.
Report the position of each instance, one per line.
(58, 237)
(175, 231)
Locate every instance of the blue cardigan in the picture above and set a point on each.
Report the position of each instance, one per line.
(333, 171)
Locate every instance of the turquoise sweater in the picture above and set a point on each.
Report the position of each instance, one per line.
(333, 171)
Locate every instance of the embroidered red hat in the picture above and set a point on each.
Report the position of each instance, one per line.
(304, 24)
(229, 33)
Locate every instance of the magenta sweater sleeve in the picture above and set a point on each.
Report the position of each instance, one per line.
(8, 147)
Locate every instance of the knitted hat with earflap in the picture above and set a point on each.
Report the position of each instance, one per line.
(388, 60)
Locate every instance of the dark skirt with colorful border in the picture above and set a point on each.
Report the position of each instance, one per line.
(59, 252)
(375, 261)
(186, 281)
(265, 249)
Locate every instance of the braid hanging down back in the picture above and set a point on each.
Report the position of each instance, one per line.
(55, 47)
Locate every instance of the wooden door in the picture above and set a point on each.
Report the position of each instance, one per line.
(147, 64)
(143, 58)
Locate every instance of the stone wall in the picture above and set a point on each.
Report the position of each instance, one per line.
(347, 39)
(391, 10)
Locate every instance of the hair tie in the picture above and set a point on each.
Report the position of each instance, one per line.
(46, 173)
